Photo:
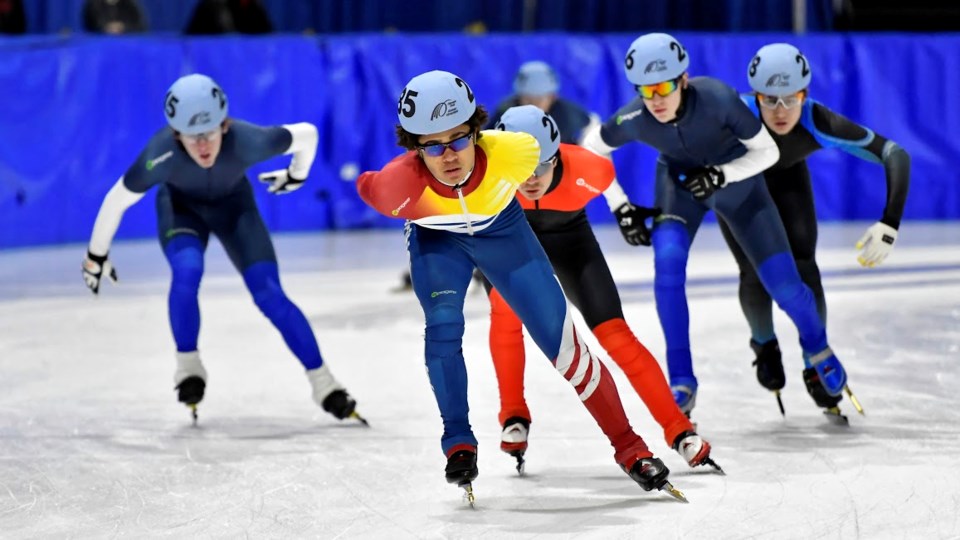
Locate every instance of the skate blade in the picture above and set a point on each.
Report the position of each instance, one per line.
(193, 413)
(468, 494)
(709, 461)
(780, 403)
(836, 417)
(854, 400)
(521, 465)
(668, 488)
(355, 415)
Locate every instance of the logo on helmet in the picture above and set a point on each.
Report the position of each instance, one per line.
(778, 80)
(199, 119)
(655, 66)
(444, 108)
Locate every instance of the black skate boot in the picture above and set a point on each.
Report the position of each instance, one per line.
(820, 396)
(462, 469)
(190, 381)
(513, 439)
(331, 396)
(190, 390)
(769, 364)
(339, 404)
(651, 473)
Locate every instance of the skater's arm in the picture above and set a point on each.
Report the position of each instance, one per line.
(835, 130)
(118, 199)
(303, 146)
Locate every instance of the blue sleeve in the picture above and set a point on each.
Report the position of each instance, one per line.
(620, 128)
(152, 165)
(259, 143)
(740, 119)
(832, 129)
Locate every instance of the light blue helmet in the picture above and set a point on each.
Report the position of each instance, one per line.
(530, 119)
(535, 79)
(654, 58)
(195, 104)
(435, 101)
(779, 69)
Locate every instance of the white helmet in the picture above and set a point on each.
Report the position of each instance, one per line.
(654, 58)
(435, 101)
(195, 104)
(532, 120)
(779, 69)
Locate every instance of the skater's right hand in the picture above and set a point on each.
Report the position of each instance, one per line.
(94, 266)
(632, 221)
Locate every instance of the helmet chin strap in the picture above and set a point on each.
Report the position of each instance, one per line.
(455, 186)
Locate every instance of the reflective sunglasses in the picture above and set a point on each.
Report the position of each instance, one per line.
(457, 145)
(544, 167)
(662, 89)
(788, 102)
(200, 137)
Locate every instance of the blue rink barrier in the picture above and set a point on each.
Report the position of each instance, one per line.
(77, 110)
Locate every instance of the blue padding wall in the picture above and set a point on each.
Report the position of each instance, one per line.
(76, 111)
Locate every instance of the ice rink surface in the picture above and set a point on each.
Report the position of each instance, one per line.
(94, 445)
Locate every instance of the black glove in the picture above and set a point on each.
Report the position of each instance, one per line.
(704, 181)
(632, 221)
(94, 267)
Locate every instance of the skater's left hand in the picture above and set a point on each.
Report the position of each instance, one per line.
(876, 244)
(280, 181)
(702, 182)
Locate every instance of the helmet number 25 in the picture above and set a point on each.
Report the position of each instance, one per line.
(406, 106)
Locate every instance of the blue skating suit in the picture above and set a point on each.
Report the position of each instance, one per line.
(193, 203)
(708, 131)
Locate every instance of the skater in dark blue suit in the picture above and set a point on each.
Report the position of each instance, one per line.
(199, 164)
(713, 150)
(780, 75)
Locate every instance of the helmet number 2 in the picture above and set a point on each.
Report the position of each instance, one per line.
(804, 69)
(406, 106)
(548, 123)
(680, 52)
(218, 95)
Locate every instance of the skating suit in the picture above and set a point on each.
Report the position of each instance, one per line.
(789, 184)
(709, 129)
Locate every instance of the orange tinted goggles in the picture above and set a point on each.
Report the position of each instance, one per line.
(662, 89)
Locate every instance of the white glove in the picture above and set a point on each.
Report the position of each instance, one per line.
(876, 244)
(280, 181)
(94, 267)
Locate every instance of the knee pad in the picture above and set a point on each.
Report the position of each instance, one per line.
(444, 332)
(671, 245)
(185, 254)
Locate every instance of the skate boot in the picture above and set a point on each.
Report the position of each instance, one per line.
(820, 396)
(685, 394)
(769, 364)
(328, 393)
(695, 450)
(833, 377)
(651, 474)
(190, 380)
(462, 468)
(513, 440)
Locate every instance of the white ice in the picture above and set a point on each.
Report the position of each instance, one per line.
(94, 445)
